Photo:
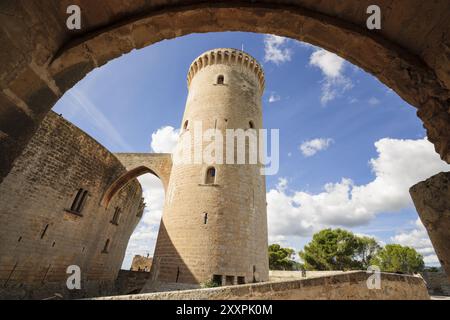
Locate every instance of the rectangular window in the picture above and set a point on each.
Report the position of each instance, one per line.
(229, 280)
(241, 280)
(79, 201)
(217, 279)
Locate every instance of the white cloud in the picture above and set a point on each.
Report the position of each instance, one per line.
(374, 101)
(143, 239)
(311, 147)
(275, 49)
(332, 67)
(399, 165)
(330, 64)
(165, 140)
(419, 240)
(274, 97)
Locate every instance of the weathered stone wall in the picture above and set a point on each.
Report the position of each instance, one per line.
(217, 228)
(141, 263)
(40, 237)
(432, 201)
(130, 282)
(346, 286)
(437, 283)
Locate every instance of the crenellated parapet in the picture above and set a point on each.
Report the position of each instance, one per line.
(226, 56)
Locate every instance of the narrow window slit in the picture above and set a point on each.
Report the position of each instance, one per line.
(44, 232)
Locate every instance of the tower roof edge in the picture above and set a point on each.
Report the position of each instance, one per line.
(226, 56)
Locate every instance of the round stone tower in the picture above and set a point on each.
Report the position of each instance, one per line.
(214, 225)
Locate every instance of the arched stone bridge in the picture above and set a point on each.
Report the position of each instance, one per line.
(137, 164)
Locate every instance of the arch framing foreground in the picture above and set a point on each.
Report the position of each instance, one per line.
(41, 58)
(138, 164)
(411, 54)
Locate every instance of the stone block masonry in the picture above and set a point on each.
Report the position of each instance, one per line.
(214, 224)
(346, 286)
(51, 215)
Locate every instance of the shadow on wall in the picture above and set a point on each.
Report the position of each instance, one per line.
(176, 275)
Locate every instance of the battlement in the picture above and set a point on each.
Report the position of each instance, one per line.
(226, 56)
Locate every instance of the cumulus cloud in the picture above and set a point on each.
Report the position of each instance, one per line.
(330, 64)
(311, 147)
(332, 67)
(419, 240)
(274, 97)
(165, 139)
(275, 49)
(399, 165)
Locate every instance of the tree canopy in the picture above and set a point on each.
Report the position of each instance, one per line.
(397, 258)
(338, 249)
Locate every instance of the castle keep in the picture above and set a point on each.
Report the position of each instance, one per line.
(214, 225)
(69, 201)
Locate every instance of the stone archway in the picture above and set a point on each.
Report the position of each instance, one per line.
(122, 181)
(138, 164)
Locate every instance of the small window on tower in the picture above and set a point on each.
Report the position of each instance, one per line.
(186, 125)
(220, 79)
(210, 176)
(251, 125)
(106, 247)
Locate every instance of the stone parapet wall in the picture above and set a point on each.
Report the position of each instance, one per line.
(437, 283)
(346, 286)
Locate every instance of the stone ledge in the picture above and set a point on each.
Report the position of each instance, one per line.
(346, 286)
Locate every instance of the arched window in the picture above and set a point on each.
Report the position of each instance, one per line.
(220, 79)
(186, 125)
(210, 176)
(79, 201)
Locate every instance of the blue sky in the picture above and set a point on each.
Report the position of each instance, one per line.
(349, 146)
